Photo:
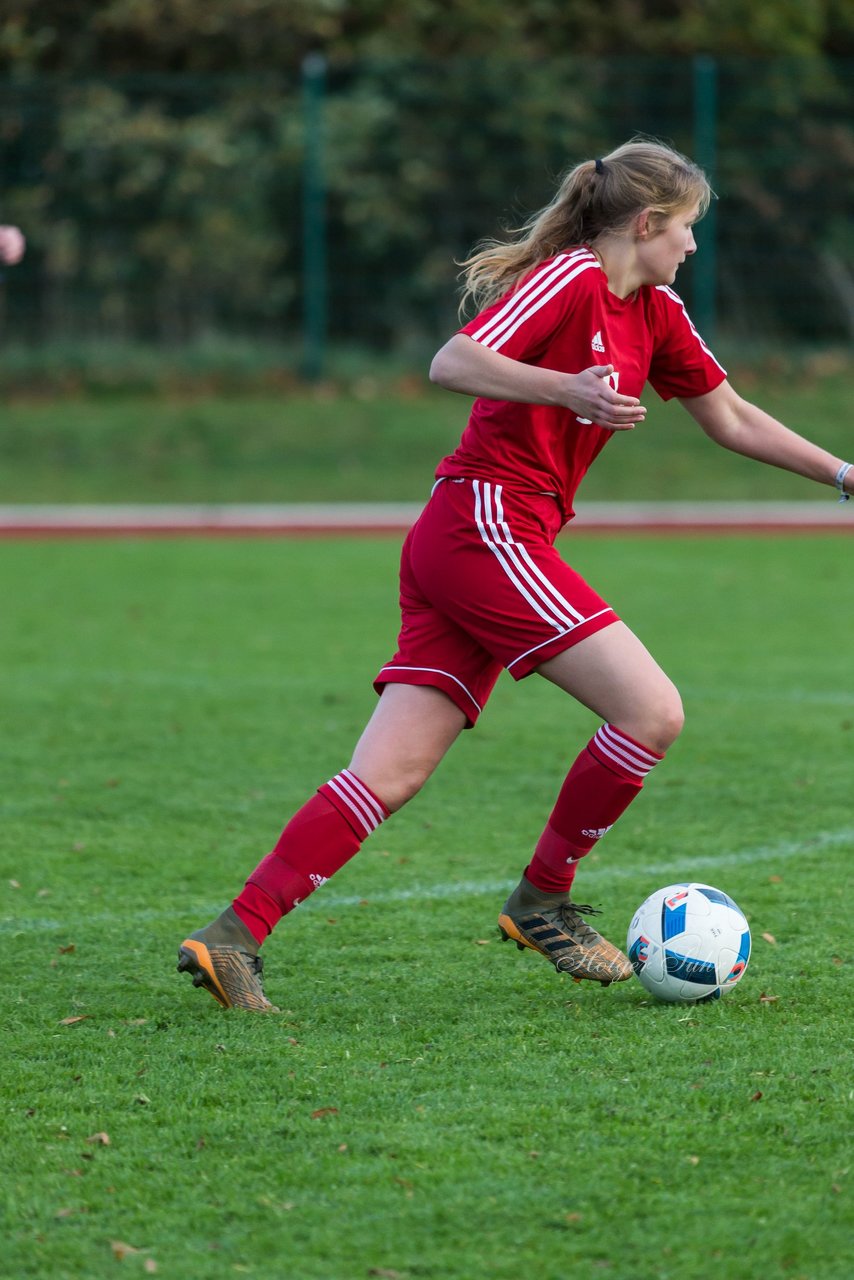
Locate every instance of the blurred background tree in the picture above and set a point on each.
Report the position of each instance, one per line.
(155, 153)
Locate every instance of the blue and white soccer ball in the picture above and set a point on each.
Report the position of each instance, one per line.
(688, 942)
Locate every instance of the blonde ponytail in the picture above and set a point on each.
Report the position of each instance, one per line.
(595, 197)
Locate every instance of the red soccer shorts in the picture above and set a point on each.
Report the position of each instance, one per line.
(482, 587)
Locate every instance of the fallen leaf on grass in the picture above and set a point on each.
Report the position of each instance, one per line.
(142, 1099)
(766, 999)
(121, 1250)
(769, 937)
(66, 951)
(482, 942)
(385, 1273)
(101, 1139)
(150, 1266)
(757, 1096)
(14, 884)
(695, 1160)
(69, 1022)
(324, 1111)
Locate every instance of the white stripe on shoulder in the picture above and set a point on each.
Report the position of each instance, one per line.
(674, 297)
(534, 282)
(534, 294)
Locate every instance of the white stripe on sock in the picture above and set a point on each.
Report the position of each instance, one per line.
(624, 752)
(356, 807)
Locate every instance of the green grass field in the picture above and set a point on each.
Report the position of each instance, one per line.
(369, 439)
(430, 1103)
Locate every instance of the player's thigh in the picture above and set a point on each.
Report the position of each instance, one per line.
(614, 674)
(484, 557)
(433, 650)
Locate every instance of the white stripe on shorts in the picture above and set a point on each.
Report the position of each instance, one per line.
(358, 800)
(525, 575)
(436, 671)
(522, 656)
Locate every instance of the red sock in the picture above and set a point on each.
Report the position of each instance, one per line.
(324, 834)
(601, 784)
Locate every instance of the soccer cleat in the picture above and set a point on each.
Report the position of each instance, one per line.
(551, 924)
(223, 958)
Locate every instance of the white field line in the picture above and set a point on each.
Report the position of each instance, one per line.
(306, 518)
(673, 870)
(667, 871)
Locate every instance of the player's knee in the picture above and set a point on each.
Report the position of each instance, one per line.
(656, 722)
(666, 722)
(400, 785)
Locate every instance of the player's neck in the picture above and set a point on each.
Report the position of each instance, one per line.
(619, 262)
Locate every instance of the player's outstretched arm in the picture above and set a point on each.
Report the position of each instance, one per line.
(468, 367)
(744, 428)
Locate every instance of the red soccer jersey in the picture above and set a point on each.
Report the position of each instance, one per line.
(563, 316)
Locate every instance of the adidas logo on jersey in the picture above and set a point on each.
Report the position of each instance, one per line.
(597, 344)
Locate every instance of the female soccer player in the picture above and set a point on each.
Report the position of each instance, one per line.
(576, 314)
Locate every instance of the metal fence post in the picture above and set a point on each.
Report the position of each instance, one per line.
(314, 283)
(705, 270)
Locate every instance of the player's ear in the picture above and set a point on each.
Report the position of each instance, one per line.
(643, 224)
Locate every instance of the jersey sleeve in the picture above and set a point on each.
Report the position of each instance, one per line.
(682, 364)
(522, 323)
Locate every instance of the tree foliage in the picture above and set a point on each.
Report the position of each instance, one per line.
(120, 37)
(154, 151)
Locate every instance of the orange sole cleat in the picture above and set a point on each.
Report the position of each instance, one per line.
(230, 974)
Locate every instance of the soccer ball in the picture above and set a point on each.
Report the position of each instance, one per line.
(688, 942)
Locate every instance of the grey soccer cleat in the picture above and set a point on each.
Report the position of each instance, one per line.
(223, 958)
(551, 924)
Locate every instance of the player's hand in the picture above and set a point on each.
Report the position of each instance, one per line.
(592, 397)
(12, 245)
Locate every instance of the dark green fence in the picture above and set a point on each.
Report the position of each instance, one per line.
(329, 206)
